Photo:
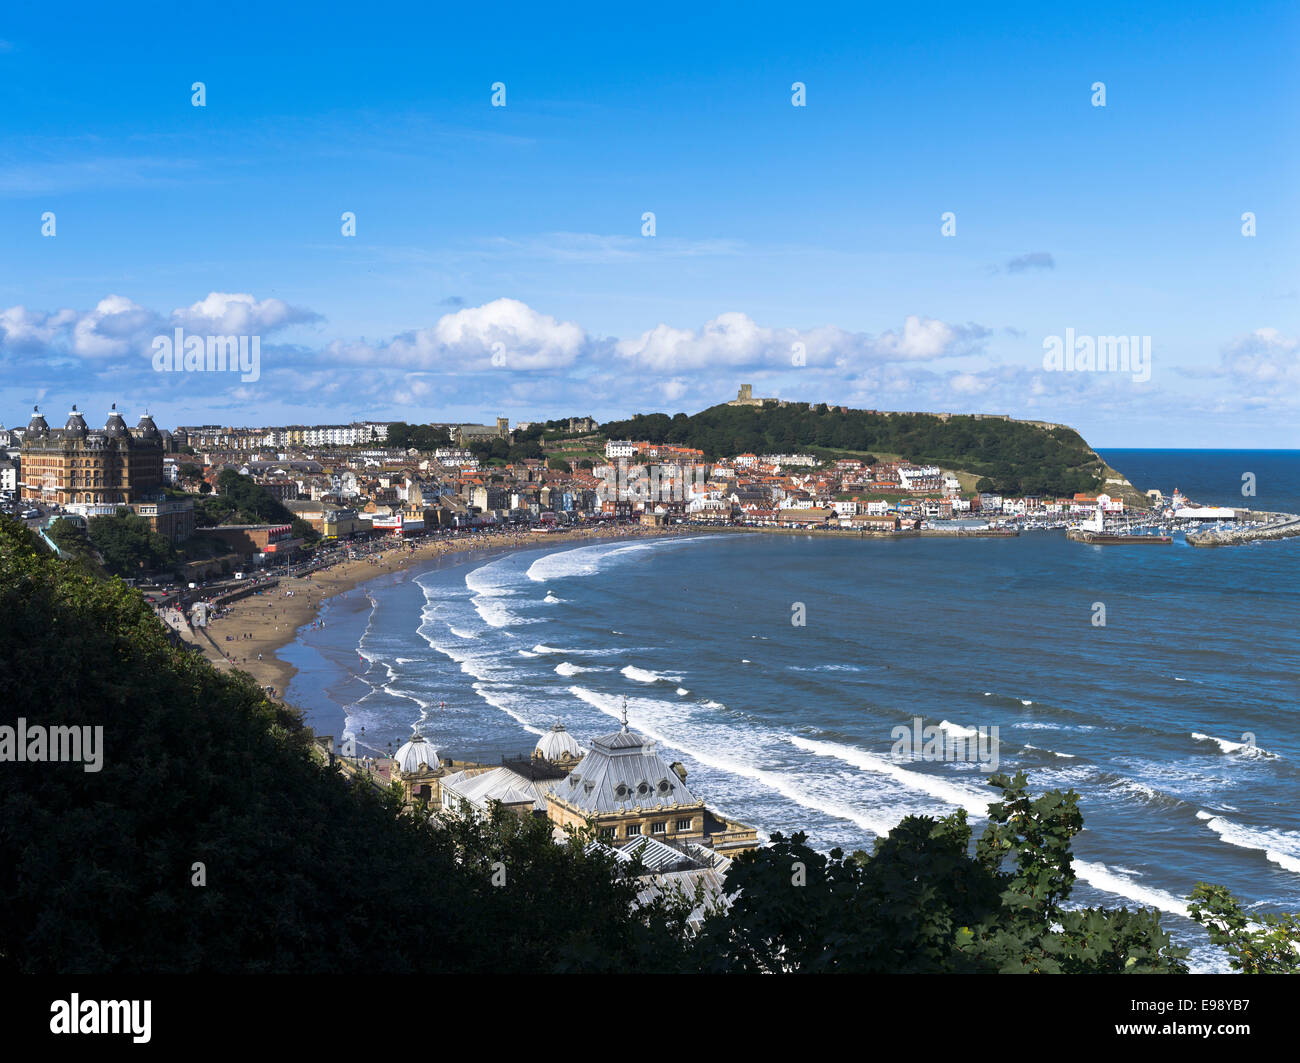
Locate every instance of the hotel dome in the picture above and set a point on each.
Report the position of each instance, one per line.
(146, 428)
(115, 427)
(557, 743)
(416, 755)
(76, 423)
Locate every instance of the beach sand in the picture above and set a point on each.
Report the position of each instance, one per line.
(264, 623)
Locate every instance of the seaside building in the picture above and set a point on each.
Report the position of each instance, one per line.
(77, 465)
(627, 791)
(622, 787)
(417, 768)
(521, 786)
(96, 472)
(249, 540)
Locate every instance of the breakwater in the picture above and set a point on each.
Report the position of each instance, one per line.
(1277, 526)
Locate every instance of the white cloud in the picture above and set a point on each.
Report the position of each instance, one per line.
(119, 327)
(734, 339)
(239, 314)
(112, 329)
(30, 330)
(1262, 357)
(514, 333)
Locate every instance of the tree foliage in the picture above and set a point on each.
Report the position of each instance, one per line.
(1266, 943)
(416, 436)
(70, 537)
(923, 903)
(1013, 457)
(244, 501)
(523, 444)
(128, 545)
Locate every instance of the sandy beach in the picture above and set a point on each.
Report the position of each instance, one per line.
(247, 637)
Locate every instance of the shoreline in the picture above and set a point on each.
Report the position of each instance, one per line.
(267, 621)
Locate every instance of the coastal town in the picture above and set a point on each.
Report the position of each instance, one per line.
(339, 483)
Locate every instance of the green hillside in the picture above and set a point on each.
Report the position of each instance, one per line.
(1010, 457)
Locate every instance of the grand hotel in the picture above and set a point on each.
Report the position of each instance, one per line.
(95, 472)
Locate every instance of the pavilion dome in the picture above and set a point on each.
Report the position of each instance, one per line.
(37, 425)
(416, 755)
(557, 743)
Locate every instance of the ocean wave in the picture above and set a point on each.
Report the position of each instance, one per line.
(500, 699)
(1040, 749)
(1110, 880)
(424, 703)
(589, 560)
(1279, 846)
(490, 585)
(975, 802)
(1145, 793)
(566, 668)
(644, 675)
(542, 648)
(1243, 748)
(682, 692)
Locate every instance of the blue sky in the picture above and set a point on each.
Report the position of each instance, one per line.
(517, 230)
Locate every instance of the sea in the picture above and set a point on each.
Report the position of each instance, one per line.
(780, 670)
